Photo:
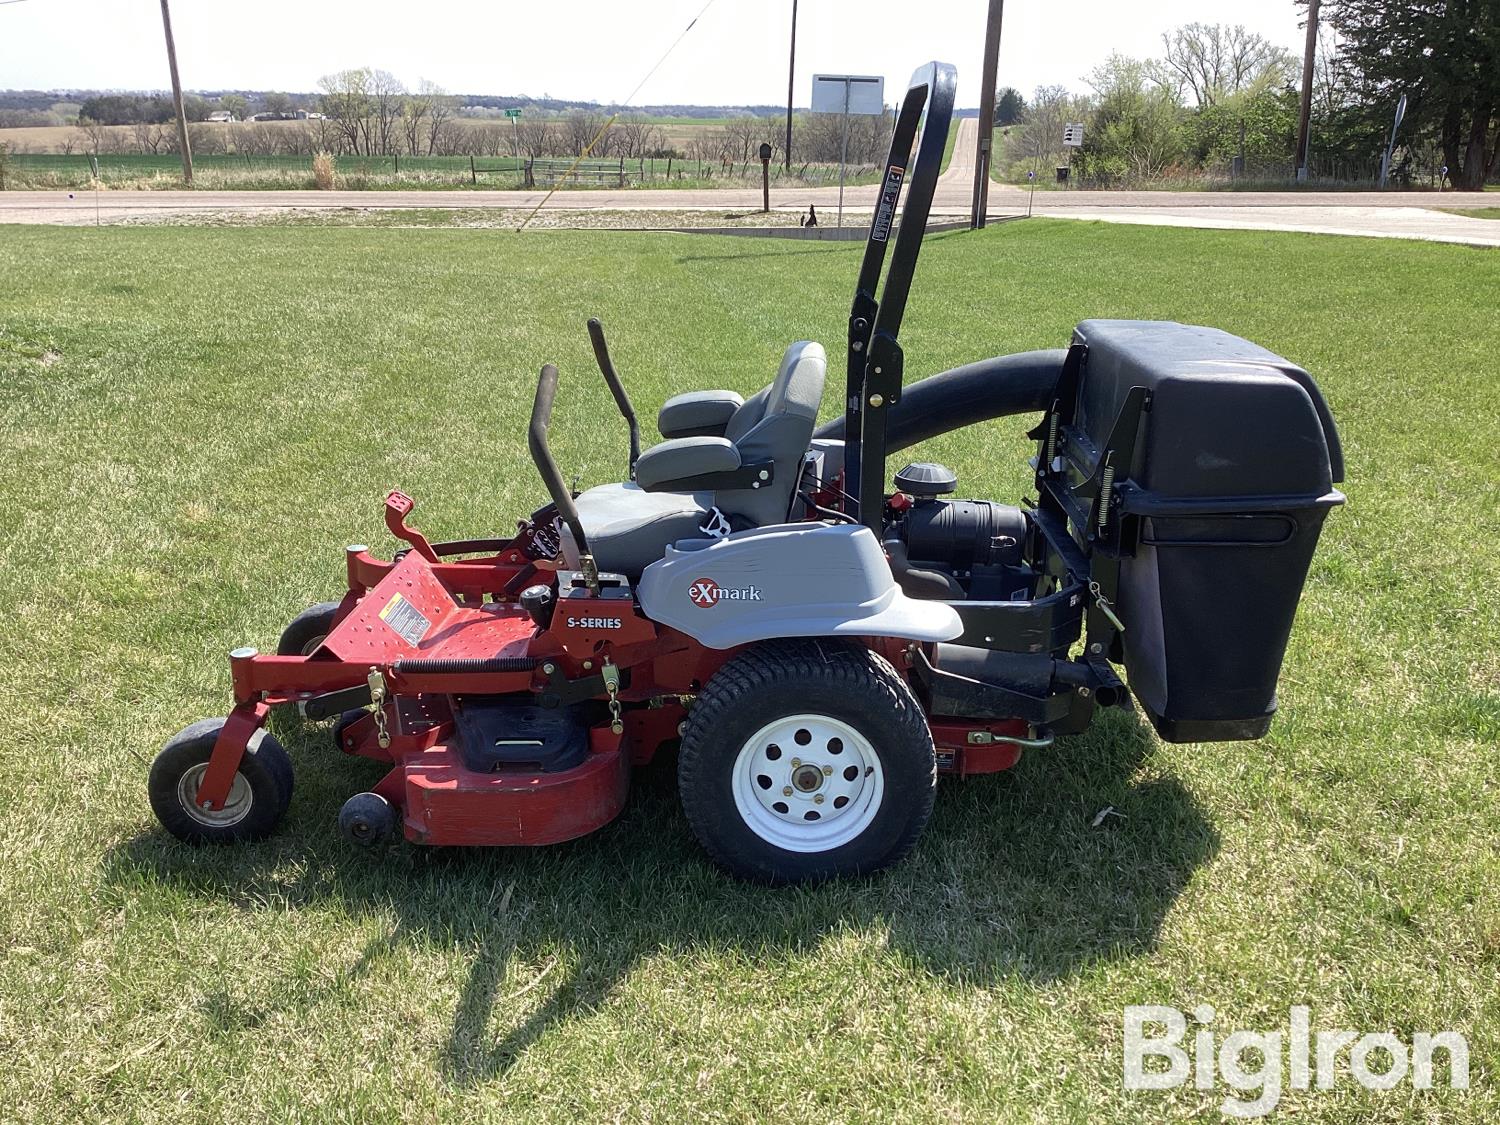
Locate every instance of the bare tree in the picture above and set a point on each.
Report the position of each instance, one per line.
(441, 106)
(583, 126)
(91, 135)
(743, 134)
(150, 138)
(205, 139)
(707, 146)
(1214, 61)
(346, 101)
(387, 97)
(638, 136)
(537, 137)
(414, 113)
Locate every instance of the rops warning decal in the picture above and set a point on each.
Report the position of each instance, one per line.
(885, 211)
(405, 620)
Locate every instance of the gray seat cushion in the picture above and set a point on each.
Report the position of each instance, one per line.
(629, 529)
(682, 458)
(698, 413)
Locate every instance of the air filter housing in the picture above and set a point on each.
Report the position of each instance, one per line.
(926, 479)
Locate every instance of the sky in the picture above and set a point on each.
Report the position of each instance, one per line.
(596, 50)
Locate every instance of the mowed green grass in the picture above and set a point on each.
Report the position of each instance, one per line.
(197, 420)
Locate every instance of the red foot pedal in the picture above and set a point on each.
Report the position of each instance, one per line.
(398, 506)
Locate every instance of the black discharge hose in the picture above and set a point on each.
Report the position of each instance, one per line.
(1024, 383)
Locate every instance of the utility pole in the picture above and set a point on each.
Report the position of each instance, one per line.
(182, 133)
(986, 115)
(791, 77)
(1304, 117)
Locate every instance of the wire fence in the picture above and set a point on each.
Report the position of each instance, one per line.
(249, 170)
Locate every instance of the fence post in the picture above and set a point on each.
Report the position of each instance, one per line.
(396, 156)
(473, 175)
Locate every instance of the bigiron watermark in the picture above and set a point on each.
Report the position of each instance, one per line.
(1259, 1065)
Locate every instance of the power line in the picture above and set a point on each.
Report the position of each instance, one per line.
(588, 148)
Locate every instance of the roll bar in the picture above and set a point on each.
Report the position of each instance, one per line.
(875, 360)
(616, 388)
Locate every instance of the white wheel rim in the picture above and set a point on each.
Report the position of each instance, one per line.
(236, 805)
(807, 764)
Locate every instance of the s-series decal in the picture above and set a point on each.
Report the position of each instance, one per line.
(595, 623)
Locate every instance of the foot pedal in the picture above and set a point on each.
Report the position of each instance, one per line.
(501, 734)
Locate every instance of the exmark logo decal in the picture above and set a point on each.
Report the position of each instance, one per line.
(706, 593)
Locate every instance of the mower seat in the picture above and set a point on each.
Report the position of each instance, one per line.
(629, 526)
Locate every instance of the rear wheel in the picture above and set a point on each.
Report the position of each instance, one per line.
(307, 630)
(258, 797)
(806, 759)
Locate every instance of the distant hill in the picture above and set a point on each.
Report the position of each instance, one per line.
(42, 101)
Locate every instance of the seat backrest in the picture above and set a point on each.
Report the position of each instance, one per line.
(776, 424)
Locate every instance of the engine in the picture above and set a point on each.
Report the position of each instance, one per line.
(955, 549)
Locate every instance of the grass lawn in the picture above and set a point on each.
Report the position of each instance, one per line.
(1475, 212)
(197, 420)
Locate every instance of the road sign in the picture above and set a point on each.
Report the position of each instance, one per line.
(1073, 135)
(512, 113)
(848, 93)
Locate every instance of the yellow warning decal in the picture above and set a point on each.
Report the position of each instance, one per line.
(406, 620)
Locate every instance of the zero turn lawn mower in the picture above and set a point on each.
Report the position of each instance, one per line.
(821, 644)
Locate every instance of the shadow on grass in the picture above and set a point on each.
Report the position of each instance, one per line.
(1012, 880)
(821, 248)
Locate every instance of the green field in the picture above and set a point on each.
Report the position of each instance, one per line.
(1476, 212)
(197, 420)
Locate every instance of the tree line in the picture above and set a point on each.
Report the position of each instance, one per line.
(366, 111)
(1221, 99)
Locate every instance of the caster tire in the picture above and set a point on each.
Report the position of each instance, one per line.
(307, 630)
(369, 820)
(258, 798)
(806, 760)
(344, 722)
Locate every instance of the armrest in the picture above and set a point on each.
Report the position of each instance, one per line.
(674, 464)
(697, 414)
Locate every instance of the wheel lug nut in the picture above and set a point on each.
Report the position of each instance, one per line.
(818, 800)
(796, 762)
(786, 790)
(827, 771)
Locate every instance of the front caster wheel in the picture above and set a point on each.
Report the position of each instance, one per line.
(342, 724)
(368, 819)
(257, 799)
(307, 630)
(806, 760)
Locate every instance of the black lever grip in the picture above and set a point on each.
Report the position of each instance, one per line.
(616, 388)
(541, 454)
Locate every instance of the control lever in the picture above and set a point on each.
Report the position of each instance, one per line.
(616, 388)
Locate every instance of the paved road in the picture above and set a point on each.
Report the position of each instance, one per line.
(1379, 214)
(959, 176)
